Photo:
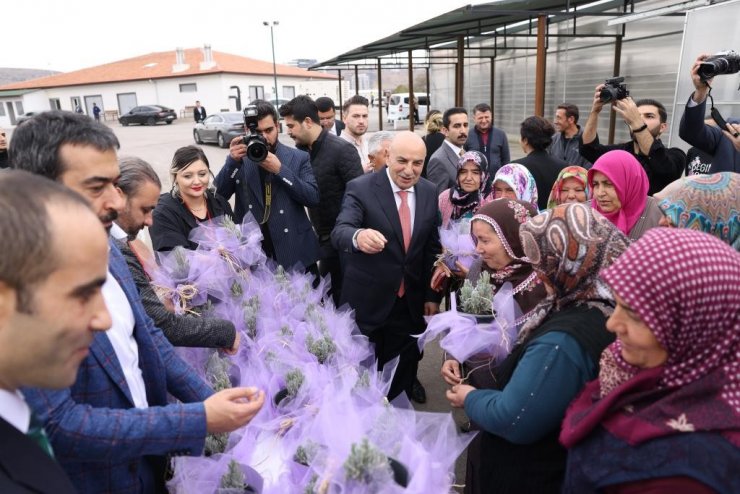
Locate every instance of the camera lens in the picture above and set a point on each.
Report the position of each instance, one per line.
(256, 150)
(608, 93)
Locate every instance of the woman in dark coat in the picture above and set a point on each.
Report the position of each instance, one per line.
(189, 203)
(557, 353)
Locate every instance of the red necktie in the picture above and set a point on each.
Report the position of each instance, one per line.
(404, 214)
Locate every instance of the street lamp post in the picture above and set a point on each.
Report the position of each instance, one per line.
(274, 67)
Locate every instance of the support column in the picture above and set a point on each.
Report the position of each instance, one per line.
(340, 87)
(357, 83)
(411, 92)
(459, 71)
(381, 120)
(615, 73)
(493, 91)
(539, 88)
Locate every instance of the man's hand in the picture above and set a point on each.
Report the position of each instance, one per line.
(627, 109)
(431, 308)
(235, 347)
(702, 88)
(227, 410)
(237, 149)
(451, 372)
(440, 276)
(733, 135)
(271, 163)
(457, 394)
(371, 241)
(597, 104)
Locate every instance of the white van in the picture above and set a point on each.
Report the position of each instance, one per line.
(398, 106)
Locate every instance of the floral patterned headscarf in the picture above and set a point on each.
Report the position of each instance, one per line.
(708, 203)
(520, 180)
(569, 245)
(576, 172)
(463, 202)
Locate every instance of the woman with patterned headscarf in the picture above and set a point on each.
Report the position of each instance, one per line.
(514, 181)
(664, 413)
(495, 231)
(620, 186)
(570, 186)
(708, 203)
(473, 189)
(557, 353)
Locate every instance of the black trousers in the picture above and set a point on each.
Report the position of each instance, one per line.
(332, 267)
(394, 339)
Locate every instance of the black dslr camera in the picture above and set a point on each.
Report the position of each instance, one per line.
(613, 90)
(256, 144)
(725, 62)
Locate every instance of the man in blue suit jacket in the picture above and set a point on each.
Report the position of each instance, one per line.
(387, 271)
(289, 238)
(722, 144)
(113, 428)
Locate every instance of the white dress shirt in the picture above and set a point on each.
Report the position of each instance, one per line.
(117, 232)
(121, 336)
(14, 410)
(453, 147)
(361, 147)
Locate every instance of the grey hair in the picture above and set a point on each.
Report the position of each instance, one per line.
(135, 172)
(373, 145)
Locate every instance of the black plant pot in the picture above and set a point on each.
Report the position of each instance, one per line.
(280, 396)
(400, 472)
(481, 318)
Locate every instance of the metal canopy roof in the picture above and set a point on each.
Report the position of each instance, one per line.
(489, 20)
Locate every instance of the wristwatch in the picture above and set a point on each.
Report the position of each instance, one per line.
(635, 131)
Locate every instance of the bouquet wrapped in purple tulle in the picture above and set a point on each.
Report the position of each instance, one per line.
(326, 425)
(457, 245)
(465, 335)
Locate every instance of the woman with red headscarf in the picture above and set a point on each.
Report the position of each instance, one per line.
(619, 186)
(664, 414)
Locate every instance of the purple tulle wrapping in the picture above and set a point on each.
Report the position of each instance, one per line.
(457, 245)
(464, 336)
(323, 392)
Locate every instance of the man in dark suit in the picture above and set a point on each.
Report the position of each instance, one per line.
(199, 112)
(327, 115)
(387, 232)
(536, 136)
(113, 428)
(442, 166)
(51, 305)
(288, 236)
(487, 139)
(335, 162)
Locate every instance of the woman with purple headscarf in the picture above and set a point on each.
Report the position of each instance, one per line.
(473, 189)
(664, 413)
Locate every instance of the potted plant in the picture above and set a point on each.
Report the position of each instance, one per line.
(476, 300)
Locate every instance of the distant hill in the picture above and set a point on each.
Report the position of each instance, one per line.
(9, 75)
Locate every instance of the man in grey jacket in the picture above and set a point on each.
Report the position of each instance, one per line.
(566, 141)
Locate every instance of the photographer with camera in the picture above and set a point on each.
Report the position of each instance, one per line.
(646, 120)
(276, 184)
(723, 141)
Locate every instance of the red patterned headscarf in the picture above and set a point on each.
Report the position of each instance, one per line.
(685, 286)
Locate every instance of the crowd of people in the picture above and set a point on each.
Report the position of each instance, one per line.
(625, 371)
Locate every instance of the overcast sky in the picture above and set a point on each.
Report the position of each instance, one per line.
(74, 34)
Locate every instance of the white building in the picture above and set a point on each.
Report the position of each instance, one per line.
(175, 79)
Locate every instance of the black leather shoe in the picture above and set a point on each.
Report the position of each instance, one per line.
(418, 393)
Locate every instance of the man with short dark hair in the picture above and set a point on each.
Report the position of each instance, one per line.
(51, 306)
(335, 162)
(276, 191)
(113, 429)
(646, 120)
(566, 140)
(140, 187)
(388, 233)
(199, 112)
(327, 114)
(487, 139)
(355, 115)
(442, 167)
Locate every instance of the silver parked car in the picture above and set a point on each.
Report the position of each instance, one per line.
(220, 128)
